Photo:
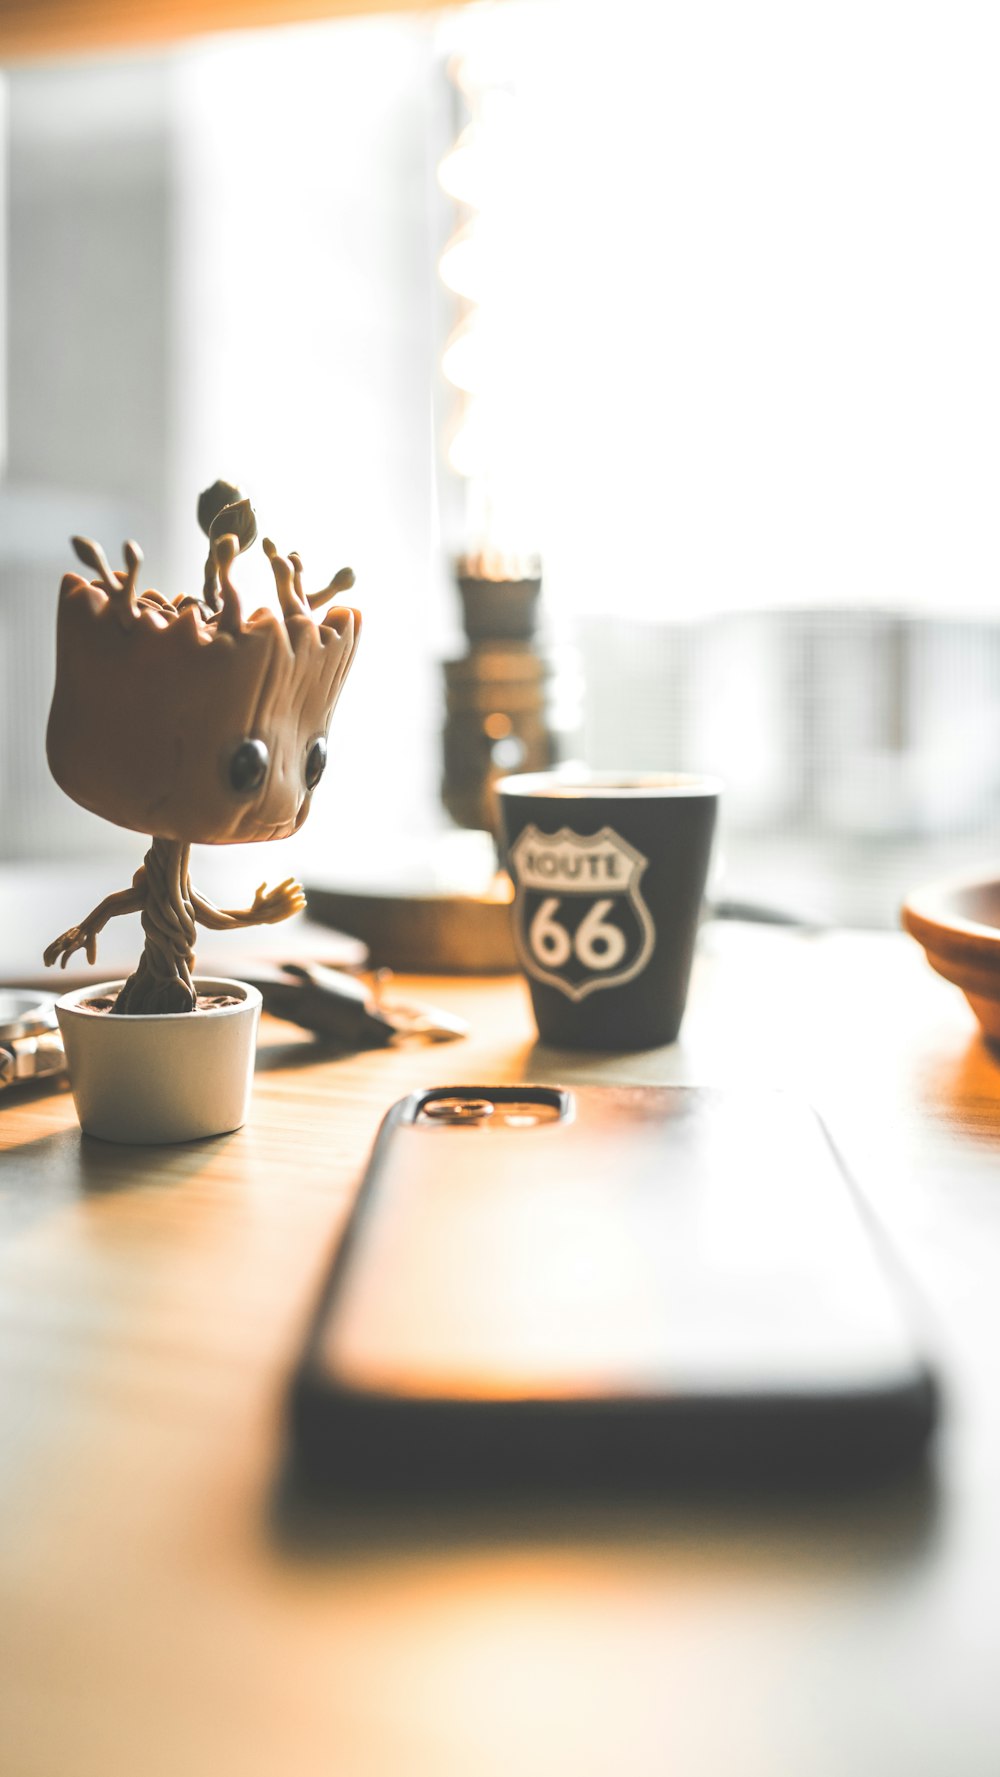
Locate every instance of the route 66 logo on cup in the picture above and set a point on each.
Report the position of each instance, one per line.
(581, 923)
(609, 873)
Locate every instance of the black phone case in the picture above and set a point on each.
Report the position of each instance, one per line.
(386, 1441)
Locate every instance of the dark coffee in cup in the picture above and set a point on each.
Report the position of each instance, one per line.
(609, 874)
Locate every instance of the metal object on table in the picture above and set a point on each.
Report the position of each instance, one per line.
(30, 1044)
(347, 1009)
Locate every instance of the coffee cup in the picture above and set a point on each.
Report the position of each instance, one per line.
(609, 873)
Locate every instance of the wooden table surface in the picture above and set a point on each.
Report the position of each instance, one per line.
(168, 1610)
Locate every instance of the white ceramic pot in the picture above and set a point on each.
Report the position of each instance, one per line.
(175, 1076)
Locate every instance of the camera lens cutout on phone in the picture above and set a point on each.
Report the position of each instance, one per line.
(501, 1114)
(458, 1110)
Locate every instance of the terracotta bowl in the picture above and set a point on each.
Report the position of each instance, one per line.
(958, 924)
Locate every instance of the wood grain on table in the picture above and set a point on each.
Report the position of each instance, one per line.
(169, 1609)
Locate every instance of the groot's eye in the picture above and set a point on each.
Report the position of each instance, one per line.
(248, 766)
(315, 763)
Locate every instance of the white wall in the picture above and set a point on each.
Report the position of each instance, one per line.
(223, 262)
(305, 282)
(88, 324)
(761, 279)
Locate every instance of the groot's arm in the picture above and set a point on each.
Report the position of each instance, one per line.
(84, 936)
(269, 906)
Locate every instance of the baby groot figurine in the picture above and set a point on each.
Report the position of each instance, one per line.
(184, 721)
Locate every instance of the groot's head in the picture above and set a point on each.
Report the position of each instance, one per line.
(182, 720)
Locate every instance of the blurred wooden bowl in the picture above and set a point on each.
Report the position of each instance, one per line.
(958, 924)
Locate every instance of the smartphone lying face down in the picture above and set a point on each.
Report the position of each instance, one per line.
(619, 1285)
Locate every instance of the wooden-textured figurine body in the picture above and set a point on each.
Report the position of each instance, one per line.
(188, 723)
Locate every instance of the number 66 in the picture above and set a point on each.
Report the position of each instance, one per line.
(596, 943)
